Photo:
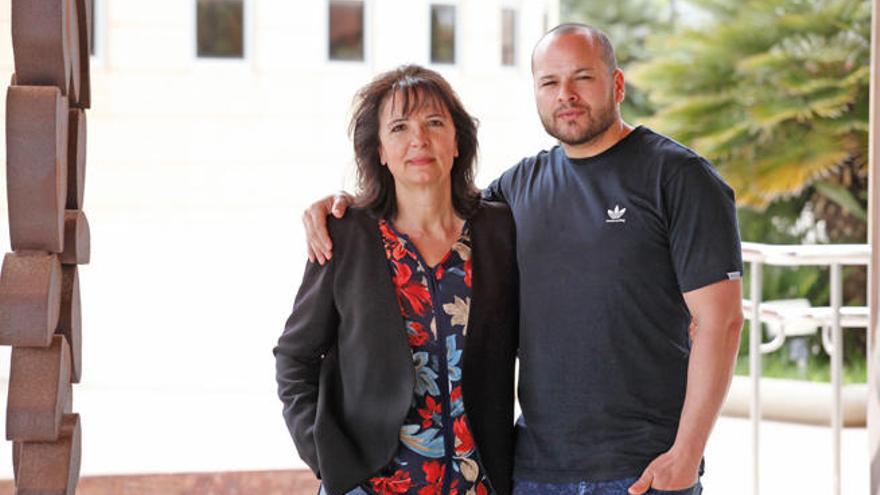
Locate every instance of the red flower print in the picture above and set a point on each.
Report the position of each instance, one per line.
(433, 476)
(394, 249)
(400, 251)
(467, 272)
(386, 232)
(455, 394)
(415, 293)
(432, 407)
(438, 274)
(464, 441)
(395, 484)
(482, 490)
(416, 334)
(453, 489)
(402, 274)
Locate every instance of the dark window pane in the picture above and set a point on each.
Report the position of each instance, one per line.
(508, 37)
(220, 25)
(346, 30)
(443, 34)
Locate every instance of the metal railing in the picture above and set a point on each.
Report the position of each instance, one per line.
(835, 256)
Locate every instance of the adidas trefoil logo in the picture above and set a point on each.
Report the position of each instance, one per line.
(616, 215)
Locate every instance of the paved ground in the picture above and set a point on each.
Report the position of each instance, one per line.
(131, 431)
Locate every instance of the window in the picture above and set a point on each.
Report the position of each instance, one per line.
(442, 34)
(508, 37)
(220, 28)
(346, 30)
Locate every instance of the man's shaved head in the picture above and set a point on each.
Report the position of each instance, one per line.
(595, 34)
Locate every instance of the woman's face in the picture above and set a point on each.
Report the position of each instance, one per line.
(418, 148)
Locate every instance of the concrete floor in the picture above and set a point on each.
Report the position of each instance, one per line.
(139, 431)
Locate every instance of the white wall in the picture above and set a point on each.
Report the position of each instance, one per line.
(197, 175)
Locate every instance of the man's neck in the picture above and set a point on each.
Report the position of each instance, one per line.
(600, 143)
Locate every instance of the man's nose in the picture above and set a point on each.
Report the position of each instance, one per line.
(566, 92)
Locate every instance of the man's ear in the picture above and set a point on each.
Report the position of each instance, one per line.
(619, 85)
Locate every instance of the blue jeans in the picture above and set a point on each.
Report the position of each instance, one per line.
(356, 491)
(613, 487)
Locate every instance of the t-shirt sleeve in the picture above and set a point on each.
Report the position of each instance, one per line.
(494, 192)
(703, 232)
(508, 186)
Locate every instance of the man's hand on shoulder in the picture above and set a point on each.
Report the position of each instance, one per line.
(671, 470)
(318, 242)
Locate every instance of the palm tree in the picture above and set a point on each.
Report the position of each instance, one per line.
(775, 92)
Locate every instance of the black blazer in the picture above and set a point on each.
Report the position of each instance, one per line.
(344, 367)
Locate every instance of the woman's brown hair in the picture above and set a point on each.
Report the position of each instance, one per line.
(411, 86)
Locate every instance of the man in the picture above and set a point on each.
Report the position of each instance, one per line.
(624, 237)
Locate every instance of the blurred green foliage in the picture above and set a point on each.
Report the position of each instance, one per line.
(775, 93)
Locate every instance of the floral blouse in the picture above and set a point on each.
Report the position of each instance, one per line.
(437, 454)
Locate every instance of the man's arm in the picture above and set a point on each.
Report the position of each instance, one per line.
(314, 219)
(717, 313)
(318, 242)
(494, 192)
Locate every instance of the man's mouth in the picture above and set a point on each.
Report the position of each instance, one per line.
(570, 113)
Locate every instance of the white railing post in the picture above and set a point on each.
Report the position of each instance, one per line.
(756, 286)
(836, 372)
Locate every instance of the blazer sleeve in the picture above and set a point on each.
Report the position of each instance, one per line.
(309, 333)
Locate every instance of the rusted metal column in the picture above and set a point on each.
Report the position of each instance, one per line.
(49, 235)
(874, 267)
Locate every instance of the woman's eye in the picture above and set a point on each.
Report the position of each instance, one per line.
(397, 127)
(435, 123)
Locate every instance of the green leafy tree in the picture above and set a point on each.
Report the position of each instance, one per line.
(775, 92)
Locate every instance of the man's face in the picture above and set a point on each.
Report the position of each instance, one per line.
(576, 93)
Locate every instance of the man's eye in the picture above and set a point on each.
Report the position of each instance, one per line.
(548, 83)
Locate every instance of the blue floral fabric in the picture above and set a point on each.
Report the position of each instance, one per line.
(437, 454)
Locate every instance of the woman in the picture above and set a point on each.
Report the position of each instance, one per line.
(396, 366)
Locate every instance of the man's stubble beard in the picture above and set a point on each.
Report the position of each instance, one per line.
(596, 126)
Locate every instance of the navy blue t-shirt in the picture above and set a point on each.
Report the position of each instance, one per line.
(606, 247)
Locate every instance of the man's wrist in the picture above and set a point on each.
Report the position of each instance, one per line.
(690, 452)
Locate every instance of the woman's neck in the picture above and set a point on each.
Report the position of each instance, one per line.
(426, 212)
